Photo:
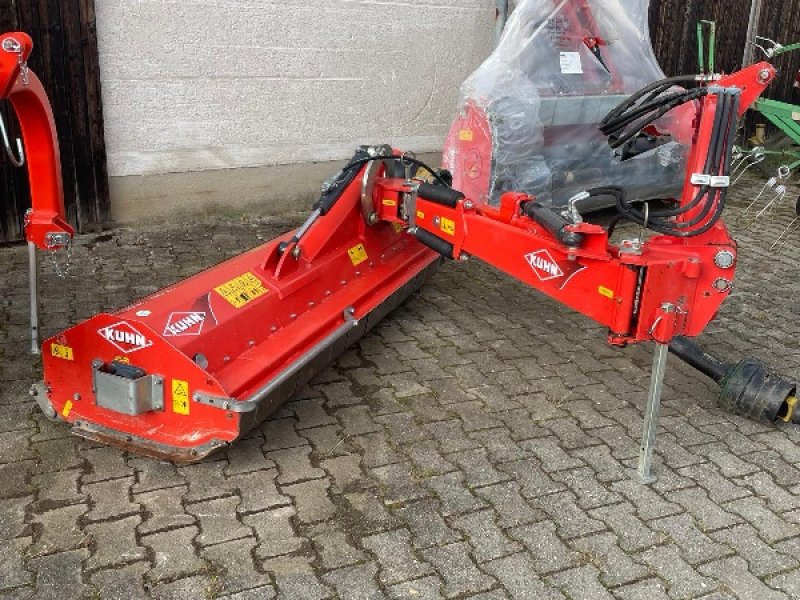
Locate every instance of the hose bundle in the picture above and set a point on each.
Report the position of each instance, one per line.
(639, 111)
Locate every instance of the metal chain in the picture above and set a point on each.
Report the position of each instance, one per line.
(58, 269)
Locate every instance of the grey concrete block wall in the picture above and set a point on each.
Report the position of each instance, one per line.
(221, 84)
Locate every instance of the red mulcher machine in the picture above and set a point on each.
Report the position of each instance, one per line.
(569, 115)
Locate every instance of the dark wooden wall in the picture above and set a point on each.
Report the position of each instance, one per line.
(673, 32)
(65, 58)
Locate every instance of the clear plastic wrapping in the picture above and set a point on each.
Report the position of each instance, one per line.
(528, 117)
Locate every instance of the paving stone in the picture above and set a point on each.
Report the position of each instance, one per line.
(163, 510)
(295, 578)
(281, 434)
(633, 534)
(511, 509)
(274, 532)
(719, 488)
(110, 499)
(395, 556)
(518, 575)
(257, 490)
(590, 492)
(550, 454)
(533, 480)
(683, 582)
(762, 559)
(311, 499)
(174, 554)
(105, 463)
(344, 470)
(16, 479)
(376, 450)
(457, 570)
(327, 441)
(206, 481)
(154, 475)
(488, 541)
(114, 543)
(218, 521)
(769, 525)
(294, 465)
(651, 589)
(59, 530)
(265, 592)
(335, 550)
(450, 436)
(788, 582)
(606, 467)
(190, 587)
(58, 488)
(58, 576)
(547, 550)
(370, 515)
(12, 565)
(54, 455)
(581, 582)
(427, 459)
(708, 515)
(246, 456)
(398, 484)
(733, 573)
(569, 518)
(310, 413)
(12, 517)
(602, 551)
(695, 545)
(454, 494)
(355, 583)
(427, 588)
(122, 582)
(427, 526)
(233, 566)
(778, 498)
(402, 426)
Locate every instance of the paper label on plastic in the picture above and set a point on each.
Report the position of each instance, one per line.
(796, 115)
(571, 63)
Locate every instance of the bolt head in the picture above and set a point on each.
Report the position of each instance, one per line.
(725, 259)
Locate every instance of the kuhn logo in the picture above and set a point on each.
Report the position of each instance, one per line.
(544, 265)
(184, 323)
(125, 337)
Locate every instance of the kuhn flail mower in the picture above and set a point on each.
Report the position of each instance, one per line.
(570, 114)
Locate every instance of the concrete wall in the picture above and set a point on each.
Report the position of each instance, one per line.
(218, 84)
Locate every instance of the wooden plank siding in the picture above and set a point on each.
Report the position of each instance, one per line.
(673, 32)
(65, 58)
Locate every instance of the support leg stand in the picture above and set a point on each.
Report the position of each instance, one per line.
(33, 274)
(644, 471)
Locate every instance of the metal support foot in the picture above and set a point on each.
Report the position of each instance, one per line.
(644, 470)
(33, 275)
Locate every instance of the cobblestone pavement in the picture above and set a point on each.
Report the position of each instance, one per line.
(475, 445)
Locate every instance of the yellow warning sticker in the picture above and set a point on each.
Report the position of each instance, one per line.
(420, 214)
(465, 135)
(358, 254)
(122, 359)
(604, 291)
(448, 226)
(241, 290)
(398, 227)
(67, 409)
(180, 397)
(389, 202)
(60, 351)
(424, 175)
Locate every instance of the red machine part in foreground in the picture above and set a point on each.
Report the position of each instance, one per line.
(194, 366)
(45, 223)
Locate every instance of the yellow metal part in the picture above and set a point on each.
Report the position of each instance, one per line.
(791, 402)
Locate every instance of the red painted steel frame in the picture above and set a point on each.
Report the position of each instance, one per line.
(227, 332)
(23, 89)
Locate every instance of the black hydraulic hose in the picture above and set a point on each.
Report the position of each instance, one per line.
(631, 115)
(632, 99)
(694, 356)
(665, 104)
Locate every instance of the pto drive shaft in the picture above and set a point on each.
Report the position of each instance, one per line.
(747, 388)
